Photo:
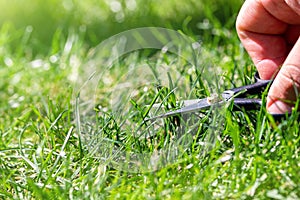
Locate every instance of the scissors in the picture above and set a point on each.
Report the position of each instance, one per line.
(238, 95)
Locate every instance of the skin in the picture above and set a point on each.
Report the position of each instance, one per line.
(269, 31)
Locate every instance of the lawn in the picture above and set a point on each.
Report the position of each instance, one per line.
(76, 99)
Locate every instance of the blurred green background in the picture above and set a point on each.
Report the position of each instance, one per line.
(94, 20)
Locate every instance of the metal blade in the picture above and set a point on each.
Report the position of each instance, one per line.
(184, 103)
(201, 104)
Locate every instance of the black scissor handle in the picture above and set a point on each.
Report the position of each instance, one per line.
(256, 88)
(255, 104)
(247, 104)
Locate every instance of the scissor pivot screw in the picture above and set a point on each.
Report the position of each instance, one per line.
(214, 98)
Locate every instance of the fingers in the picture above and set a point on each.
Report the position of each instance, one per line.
(294, 5)
(254, 17)
(281, 10)
(267, 51)
(262, 36)
(268, 16)
(286, 86)
(269, 31)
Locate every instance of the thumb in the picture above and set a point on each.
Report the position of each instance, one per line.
(284, 91)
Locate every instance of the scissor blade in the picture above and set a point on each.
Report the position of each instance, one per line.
(201, 104)
(184, 103)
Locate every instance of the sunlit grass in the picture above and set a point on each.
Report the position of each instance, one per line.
(43, 156)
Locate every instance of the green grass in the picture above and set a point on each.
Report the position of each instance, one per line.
(232, 155)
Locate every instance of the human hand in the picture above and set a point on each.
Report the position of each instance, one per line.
(269, 31)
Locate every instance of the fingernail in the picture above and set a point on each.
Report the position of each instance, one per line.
(279, 107)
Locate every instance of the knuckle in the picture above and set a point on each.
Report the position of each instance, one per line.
(294, 5)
